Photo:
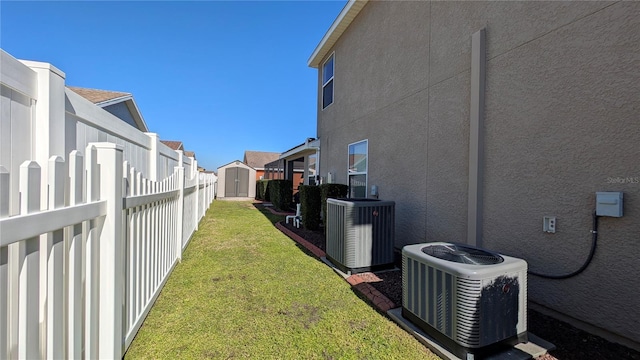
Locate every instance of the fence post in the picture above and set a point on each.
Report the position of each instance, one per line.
(28, 267)
(196, 210)
(180, 214)
(154, 155)
(111, 269)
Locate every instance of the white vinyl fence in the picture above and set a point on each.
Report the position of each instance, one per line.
(78, 278)
(94, 215)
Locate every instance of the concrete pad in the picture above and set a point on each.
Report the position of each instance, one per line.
(536, 346)
(396, 315)
(532, 349)
(330, 264)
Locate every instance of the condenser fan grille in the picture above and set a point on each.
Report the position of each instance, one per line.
(462, 254)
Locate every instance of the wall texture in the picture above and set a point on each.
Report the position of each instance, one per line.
(561, 122)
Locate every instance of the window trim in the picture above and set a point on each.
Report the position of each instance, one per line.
(365, 173)
(308, 179)
(333, 74)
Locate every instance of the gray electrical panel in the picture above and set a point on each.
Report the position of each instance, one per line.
(609, 203)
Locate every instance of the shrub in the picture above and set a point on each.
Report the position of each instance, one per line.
(280, 192)
(331, 191)
(262, 190)
(310, 206)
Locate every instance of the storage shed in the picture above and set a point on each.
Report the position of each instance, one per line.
(236, 179)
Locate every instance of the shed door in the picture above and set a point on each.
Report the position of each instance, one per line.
(243, 182)
(236, 183)
(230, 180)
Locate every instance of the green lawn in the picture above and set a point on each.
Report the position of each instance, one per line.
(245, 290)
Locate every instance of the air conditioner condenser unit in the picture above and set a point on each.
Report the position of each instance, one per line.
(470, 300)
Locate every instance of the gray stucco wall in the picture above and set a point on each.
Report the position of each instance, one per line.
(562, 104)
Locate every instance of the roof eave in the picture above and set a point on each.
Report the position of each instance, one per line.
(339, 26)
(133, 109)
(137, 115)
(309, 147)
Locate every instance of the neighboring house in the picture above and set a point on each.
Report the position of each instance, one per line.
(297, 164)
(188, 153)
(477, 135)
(120, 104)
(175, 145)
(178, 145)
(300, 162)
(258, 159)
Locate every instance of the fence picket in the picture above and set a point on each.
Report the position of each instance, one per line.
(55, 265)
(29, 267)
(74, 260)
(91, 261)
(139, 234)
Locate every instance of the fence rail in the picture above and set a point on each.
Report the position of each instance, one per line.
(80, 272)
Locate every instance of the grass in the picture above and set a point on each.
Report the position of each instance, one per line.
(245, 290)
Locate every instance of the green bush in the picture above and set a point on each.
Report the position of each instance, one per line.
(331, 191)
(310, 206)
(280, 192)
(262, 190)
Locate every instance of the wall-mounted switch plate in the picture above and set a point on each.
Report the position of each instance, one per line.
(549, 224)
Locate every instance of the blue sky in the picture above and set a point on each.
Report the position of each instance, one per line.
(223, 77)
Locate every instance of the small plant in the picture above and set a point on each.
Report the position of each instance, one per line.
(280, 193)
(310, 205)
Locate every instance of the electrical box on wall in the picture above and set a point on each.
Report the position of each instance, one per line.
(609, 203)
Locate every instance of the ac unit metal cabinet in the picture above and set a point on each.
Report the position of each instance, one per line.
(470, 300)
(360, 234)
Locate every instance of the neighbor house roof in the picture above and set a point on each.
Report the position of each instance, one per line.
(339, 26)
(257, 159)
(107, 98)
(175, 145)
(99, 96)
(188, 153)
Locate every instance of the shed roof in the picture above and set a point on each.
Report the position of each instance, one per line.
(235, 163)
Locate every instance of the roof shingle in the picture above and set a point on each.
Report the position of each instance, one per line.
(257, 159)
(174, 145)
(97, 96)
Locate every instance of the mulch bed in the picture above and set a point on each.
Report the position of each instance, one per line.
(571, 343)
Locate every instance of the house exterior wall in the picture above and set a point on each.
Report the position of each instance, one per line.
(561, 123)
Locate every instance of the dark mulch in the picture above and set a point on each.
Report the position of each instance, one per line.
(314, 237)
(571, 343)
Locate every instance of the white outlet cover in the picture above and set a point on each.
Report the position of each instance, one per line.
(549, 224)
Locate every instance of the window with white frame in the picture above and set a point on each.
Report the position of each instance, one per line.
(357, 171)
(327, 82)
